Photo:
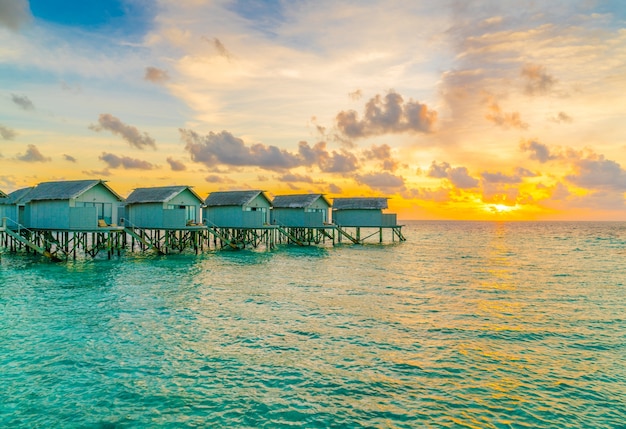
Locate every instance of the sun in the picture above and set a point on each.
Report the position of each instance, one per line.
(500, 208)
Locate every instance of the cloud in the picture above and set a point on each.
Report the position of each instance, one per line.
(596, 172)
(537, 80)
(33, 155)
(383, 181)
(440, 195)
(334, 189)
(560, 192)
(521, 54)
(220, 48)
(337, 162)
(438, 171)
(224, 148)
(69, 158)
(328, 162)
(97, 173)
(176, 165)
(114, 161)
(560, 197)
(355, 95)
(23, 101)
(523, 172)
(14, 14)
(215, 178)
(562, 117)
(387, 115)
(8, 182)
(600, 200)
(458, 176)
(129, 133)
(155, 75)
(382, 153)
(72, 88)
(495, 194)
(503, 119)
(7, 133)
(289, 177)
(539, 151)
(500, 178)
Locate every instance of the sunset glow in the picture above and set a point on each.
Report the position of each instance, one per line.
(500, 208)
(455, 110)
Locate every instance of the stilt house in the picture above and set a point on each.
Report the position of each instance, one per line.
(300, 211)
(165, 207)
(72, 204)
(12, 207)
(362, 212)
(3, 197)
(237, 209)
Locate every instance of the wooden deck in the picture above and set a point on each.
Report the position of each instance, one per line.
(64, 244)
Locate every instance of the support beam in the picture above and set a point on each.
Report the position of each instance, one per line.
(33, 246)
(145, 242)
(223, 238)
(348, 236)
(290, 236)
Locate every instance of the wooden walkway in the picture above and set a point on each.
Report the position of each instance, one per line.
(59, 245)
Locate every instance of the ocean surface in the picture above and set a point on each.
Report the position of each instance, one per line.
(465, 325)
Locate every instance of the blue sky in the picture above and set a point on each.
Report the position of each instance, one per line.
(127, 18)
(87, 14)
(495, 109)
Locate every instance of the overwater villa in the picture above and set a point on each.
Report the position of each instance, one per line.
(12, 207)
(237, 209)
(164, 207)
(72, 204)
(362, 212)
(301, 210)
(63, 218)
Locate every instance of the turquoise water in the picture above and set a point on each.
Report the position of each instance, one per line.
(467, 324)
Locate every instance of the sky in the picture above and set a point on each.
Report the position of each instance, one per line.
(454, 109)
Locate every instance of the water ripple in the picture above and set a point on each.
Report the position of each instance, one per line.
(476, 325)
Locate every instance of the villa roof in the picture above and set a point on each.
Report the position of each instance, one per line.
(297, 201)
(64, 190)
(16, 196)
(158, 194)
(233, 198)
(362, 203)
